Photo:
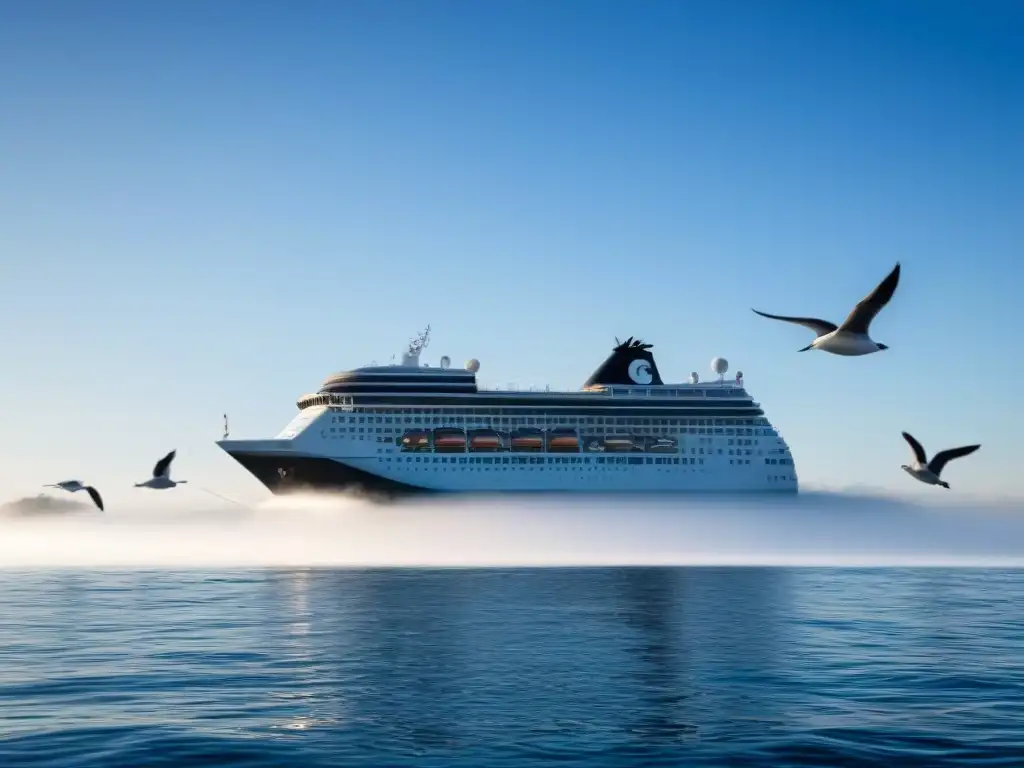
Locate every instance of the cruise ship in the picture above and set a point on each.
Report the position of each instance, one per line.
(410, 427)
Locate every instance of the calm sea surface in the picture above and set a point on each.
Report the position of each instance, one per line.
(597, 667)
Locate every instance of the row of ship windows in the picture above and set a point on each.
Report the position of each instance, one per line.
(594, 431)
(460, 416)
(671, 449)
(426, 449)
(386, 439)
(389, 385)
(331, 398)
(571, 460)
(726, 392)
(692, 450)
(549, 460)
(743, 401)
(695, 426)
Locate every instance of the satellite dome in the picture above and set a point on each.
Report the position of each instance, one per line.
(473, 365)
(445, 362)
(694, 378)
(720, 365)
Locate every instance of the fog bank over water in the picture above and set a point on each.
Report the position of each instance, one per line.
(814, 528)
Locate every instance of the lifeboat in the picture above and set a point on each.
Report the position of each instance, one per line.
(449, 440)
(485, 440)
(416, 440)
(563, 440)
(619, 443)
(527, 440)
(661, 445)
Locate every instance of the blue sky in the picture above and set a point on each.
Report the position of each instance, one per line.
(210, 207)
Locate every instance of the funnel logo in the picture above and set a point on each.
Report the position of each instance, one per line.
(640, 372)
(631, 362)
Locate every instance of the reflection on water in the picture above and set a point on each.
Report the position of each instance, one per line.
(654, 604)
(413, 661)
(584, 666)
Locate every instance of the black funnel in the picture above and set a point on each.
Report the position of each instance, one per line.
(630, 364)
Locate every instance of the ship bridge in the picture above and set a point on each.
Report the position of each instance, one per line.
(401, 378)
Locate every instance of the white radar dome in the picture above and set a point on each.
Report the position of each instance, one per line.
(446, 361)
(473, 365)
(694, 378)
(720, 365)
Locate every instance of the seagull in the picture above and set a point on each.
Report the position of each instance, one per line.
(74, 485)
(929, 471)
(851, 338)
(162, 474)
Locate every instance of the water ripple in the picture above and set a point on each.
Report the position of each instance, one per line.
(596, 667)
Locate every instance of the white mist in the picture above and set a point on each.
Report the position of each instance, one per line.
(332, 531)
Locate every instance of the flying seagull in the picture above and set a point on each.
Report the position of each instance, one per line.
(929, 471)
(73, 485)
(162, 474)
(851, 338)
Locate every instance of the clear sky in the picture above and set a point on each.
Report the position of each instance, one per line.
(208, 207)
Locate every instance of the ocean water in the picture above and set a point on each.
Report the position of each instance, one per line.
(610, 666)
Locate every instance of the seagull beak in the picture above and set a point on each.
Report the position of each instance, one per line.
(882, 346)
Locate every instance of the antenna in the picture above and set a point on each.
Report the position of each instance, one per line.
(416, 345)
(225, 427)
(419, 343)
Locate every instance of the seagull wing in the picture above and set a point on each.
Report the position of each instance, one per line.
(163, 466)
(862, 315)
(820, 327)
(96, 498)
(919, 453)
(942, 458)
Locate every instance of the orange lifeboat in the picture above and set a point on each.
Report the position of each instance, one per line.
(485, 440)
(527, 440)
(563, 440)
(449, 440)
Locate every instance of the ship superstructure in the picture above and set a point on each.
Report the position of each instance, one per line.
(409, 427)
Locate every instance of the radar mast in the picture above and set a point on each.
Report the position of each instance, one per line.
(416, 345)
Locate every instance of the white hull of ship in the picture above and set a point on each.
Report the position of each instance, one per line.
(279, 462)
(556, 477)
